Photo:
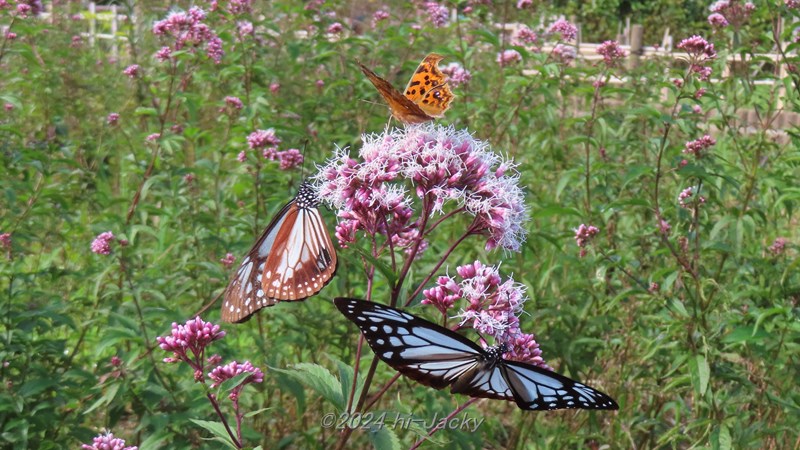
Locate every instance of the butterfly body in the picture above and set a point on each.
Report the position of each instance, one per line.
(438, 357)
(426, 96)
(292, 260)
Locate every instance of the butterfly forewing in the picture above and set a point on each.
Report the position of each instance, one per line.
(402, 108)
(292, 260)
(438, 357)
(428, 87)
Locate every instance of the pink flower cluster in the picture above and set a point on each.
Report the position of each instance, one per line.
(524, 36)
(778, 246)
(132, 71)
(379, 16)
(698, 146)
(456, 74)
(112, 119)
(107, 441)
(437, 14)
(493, 308)
(234, 102)
(335, 28)
(290, 159)
(686, 196)
(564, 53)
(793, 4)
(221, 374)
(730, 12)
(187, 30)
(102, 243)
(701, 53)
(611, 52)
(5, 240)
(188, 342)
(25, 8)
(235, 7)
(228, 260)
(566, 30)
(507, 57)
(584, 234)
(522, 4)
(262, 139)
(443, 165)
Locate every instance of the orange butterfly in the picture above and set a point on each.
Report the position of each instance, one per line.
(427, 95)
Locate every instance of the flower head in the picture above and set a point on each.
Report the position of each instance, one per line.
(188, 342)
(234, 102)
(112, 119)
(698, 147)
(132, 71)
(564, 53)
(228, 260)
(102, 243)
(107, 441)
(5, 240)
(378, 17)
(456, 74)
(290, 158)
(566, 31)
(584, 234)
(686, 197)
(437, 14)
(507, 57)
(263, 138)
(186, 30)
(778, 246)
(335, 28)
(230, 370)
(524, 36)
(611, 52)
(730, 12)
(443, 166)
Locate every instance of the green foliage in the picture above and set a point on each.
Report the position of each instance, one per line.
(693, 328)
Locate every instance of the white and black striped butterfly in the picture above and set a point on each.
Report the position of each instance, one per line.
(438, 357)
(292, 260)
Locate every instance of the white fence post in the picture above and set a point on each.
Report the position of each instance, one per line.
(92, 23)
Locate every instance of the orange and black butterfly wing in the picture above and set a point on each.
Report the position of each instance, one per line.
(402, 108)
(428, 87)
(293, 259)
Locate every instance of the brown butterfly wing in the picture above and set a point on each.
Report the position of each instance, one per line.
(428, 87)
(402, 108)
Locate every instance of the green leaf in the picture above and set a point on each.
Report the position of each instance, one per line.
(218, 430)
(319, 380)
(383, 438)
(700, 374)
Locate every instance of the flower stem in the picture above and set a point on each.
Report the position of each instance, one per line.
(444, 421)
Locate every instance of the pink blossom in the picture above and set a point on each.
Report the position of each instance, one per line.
(492, 307)
(101, 245)
(685, 198)
(230, 370)
(677, 82)
(653, 289)
(189, 178)
(274, 87)
(718, 20)
(76, 41)
(270, 153)
(153, 137)
(245, 28)
(379, 16)
(164, 54)
(107, 441)
(697, 109)
(188, 342)
(290, 158)
(320, 84)
(234, 102)
(524, 36)
(335, 28)
(456, 74)
(792, 4)
(699, 146)
(699, 93)
(611, 52)
(116, 361)
(437, 14)
(240, 6)
(584, 234)
(186, 31)
(11, 36)
(731, 12)
(228, 260)
(5, 240)
(567, 31)
(664, 227)
(112, 119)
(778, 246)
(564, 53)
(522, 4)
(241, 157)
(598, 83)
(8, 107)
(698, 48)
(263, 138)
(507, 57)
(443, 165)
(132, 71)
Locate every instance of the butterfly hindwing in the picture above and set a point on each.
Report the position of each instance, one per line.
(439, 357)
(537, 388)
(293, 259)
